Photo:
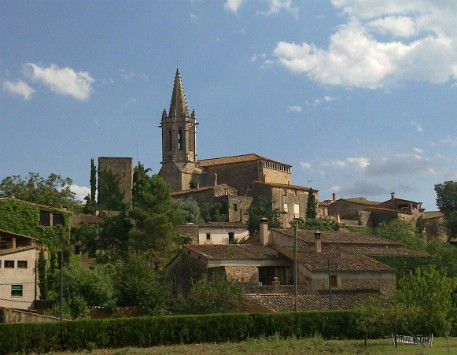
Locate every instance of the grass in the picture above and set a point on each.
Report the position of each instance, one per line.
(277, 345)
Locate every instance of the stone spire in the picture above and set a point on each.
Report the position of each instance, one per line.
(178, 106)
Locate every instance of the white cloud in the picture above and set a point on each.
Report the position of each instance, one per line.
(80, 191)
(194, 19)
(294, 108)
(275, 6)
(360, 162)
(20, 88)
(418, 126)
(400, 164)
(64, 81)
(233, 5)
(381, 45)
(305, 165)
(320, 101)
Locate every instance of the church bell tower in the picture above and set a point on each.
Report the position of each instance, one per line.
(179, 133)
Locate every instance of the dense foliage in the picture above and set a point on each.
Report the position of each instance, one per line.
(211, 295)
(53, 191)
(311, 212)
(446, 200)
(263, 208)
(118, 333)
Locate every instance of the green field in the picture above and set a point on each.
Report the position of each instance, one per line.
(315, 345)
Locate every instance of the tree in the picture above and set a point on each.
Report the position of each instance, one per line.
(446, 200)
(139, 285)
(53, 191)
(110, 196)
(190, 210)
(155, 216)
(401, 231)
(263, 208)
(311, 205)
(85, 288)
(91, 202)
(211, 296)
(43, 277)
(424, 302)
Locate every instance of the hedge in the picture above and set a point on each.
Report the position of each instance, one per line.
(152, 331)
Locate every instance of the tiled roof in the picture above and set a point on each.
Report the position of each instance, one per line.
(17, 250)
(361, 200)
(391, 251)
(192, 191)
(282, 302)
(340, 237)
(229, 225)
(433, 214)
(339, 261)
(234, 251)
(12, 234)
(235, 159)
(284, 186)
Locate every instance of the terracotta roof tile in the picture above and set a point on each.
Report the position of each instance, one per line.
(235, 159)
(281, 302)
(234, 251)
(339, 261)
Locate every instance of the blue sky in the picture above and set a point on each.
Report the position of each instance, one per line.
(358, 96)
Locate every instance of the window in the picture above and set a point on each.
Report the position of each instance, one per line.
(16, 290)
(231, 237)
(58, 220)
(45, 218)
(408, 273)
(208, 236)
(333, 281)
(77, 249)
(235, 207)
(22, 264)
(9, 264)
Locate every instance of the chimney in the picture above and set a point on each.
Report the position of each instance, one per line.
(264, 232)
(392, 195)
(215, 179)
(317, 240)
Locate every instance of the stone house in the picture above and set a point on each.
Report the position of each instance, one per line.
(436, 227)
(215, 232)
(18, 275)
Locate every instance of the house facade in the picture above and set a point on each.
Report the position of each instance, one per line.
(18, 275)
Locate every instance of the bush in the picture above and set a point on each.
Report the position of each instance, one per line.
(151, 331)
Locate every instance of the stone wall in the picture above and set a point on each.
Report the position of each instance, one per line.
(243, 274)
(8, 315)
(121, 167)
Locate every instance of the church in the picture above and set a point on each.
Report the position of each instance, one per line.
(234, 182)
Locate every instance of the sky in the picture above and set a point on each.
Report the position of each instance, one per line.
(359, 96)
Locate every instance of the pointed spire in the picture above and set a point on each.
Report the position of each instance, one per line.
(178, 106)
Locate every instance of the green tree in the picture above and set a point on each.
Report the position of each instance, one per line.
(424, 303)
(43, 277)
(401, 231)
(376, 319)
(446, 200)
(311, 205)
(91, 202)
(190, 210)
(53, 191)
(155, 216)
(263, 208)
(140, 285)
(215, 295)
(110, 196)
(85, 288)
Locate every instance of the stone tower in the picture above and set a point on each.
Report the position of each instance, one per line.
(179, 141)
(122, 168)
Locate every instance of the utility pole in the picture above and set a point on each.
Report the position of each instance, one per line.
(329, 283)
(61, 284)
(295, 266)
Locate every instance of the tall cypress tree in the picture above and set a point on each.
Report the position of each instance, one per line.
(311, 205)
(43, 277)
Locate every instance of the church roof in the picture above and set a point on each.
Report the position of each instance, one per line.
(178, 105)
(236, 159)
